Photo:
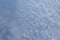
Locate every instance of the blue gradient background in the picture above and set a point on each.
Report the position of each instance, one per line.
(29, 19)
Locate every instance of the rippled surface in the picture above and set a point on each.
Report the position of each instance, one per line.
(29, 19)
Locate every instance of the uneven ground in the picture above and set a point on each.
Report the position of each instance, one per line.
(29, 19)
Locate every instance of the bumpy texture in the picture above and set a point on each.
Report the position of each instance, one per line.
(30, 20)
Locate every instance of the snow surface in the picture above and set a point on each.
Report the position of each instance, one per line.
(29, 19)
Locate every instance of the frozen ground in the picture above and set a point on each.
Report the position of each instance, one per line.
(29, 19)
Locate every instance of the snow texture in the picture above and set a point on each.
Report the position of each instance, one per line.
(29, 19)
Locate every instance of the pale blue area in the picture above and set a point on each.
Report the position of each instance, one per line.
(29, 19)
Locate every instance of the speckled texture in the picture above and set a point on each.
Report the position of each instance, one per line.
(29, 19)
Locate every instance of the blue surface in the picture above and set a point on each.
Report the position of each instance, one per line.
(29, 19)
